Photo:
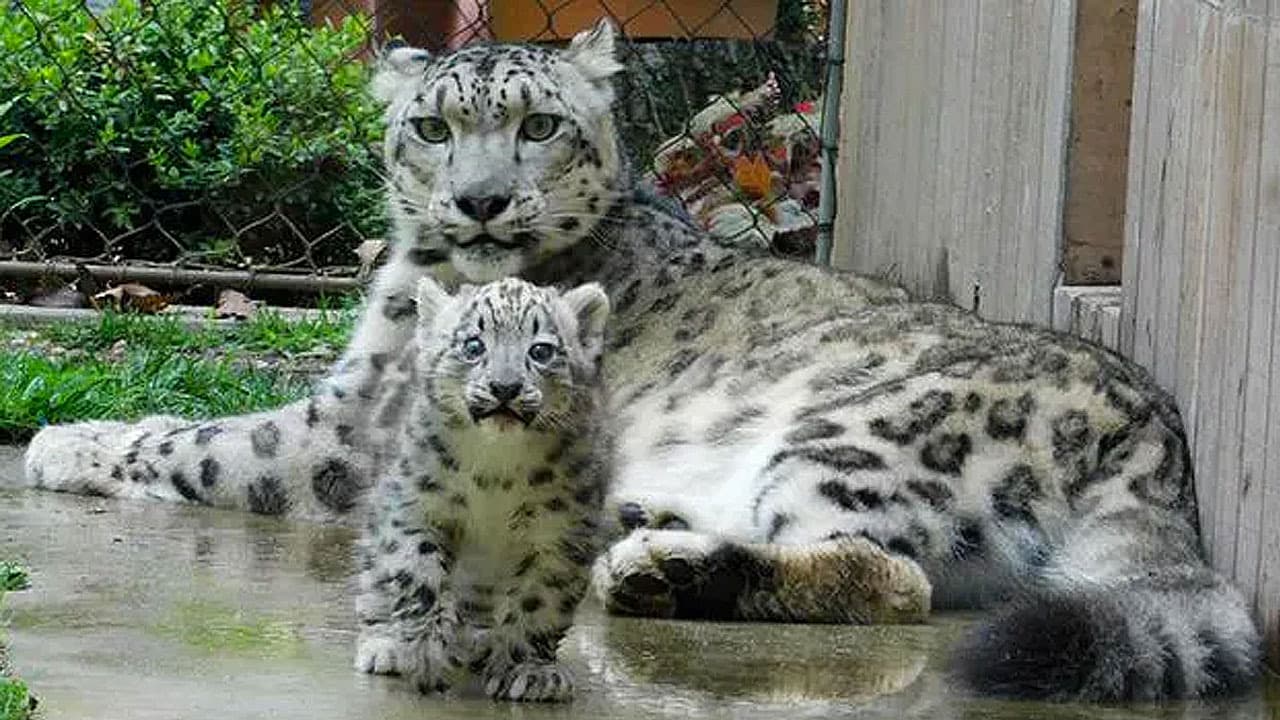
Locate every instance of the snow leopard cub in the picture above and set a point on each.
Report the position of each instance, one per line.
(484, 520)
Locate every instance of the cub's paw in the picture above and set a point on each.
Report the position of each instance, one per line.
(377, 655)
(649, 572)
(531, 682)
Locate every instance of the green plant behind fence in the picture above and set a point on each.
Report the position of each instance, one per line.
(216, 131)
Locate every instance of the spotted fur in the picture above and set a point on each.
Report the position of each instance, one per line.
(793, 443)
(486, 513)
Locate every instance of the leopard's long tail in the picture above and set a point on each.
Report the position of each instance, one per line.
(1126, 608)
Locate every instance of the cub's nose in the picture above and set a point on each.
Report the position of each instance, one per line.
(482, 208)
(505, 392)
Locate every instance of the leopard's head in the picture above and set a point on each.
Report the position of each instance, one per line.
(499, 156)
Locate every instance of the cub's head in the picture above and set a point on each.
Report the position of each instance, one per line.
(500, 155)
(511, 353)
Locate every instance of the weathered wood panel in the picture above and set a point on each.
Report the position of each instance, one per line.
(952, 149)
(1202, 266)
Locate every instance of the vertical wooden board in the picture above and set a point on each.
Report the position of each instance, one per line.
(1012, 172)
(1025, 112)
(886, 171)
(990, 90)
(1163, 262)
(1253, 60)
(937, 40)
(1137, 208)
(1228, 308)
(869, 140)
(1053, 148)
(857, 112)
(1265, 264)
(1154, 78)
(895, 173)
(928, 35)
(903, 178)
(1042, 180)
(1269, 219)
(962, 65)
(1196, 203)
(1193, 377)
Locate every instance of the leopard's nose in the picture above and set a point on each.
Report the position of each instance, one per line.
(505, 392)
(483, 208)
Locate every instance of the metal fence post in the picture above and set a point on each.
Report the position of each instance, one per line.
(830, 130)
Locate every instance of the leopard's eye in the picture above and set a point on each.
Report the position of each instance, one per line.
(472, 348)
(431, 129)
(539, 127)
(542, 352)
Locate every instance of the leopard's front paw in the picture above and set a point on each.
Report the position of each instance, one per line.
(377, 655)
(646, 572)
(531, 682)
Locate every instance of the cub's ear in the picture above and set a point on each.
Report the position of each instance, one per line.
(431, 299)
(593, 51)
(590, 307)
(398, 70)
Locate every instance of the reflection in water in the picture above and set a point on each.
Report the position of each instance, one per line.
(331, 553)
(774, 663)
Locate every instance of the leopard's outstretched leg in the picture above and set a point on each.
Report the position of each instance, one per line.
(309, 458)
(682, 574)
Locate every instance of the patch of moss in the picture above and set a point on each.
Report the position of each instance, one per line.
(13, 577)
(220, 628)
(15, 701)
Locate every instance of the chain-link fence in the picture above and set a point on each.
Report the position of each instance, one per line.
(237, 135)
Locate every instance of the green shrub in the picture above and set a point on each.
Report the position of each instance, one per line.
(158, 130)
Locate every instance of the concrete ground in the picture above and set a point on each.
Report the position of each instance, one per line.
(142, 611)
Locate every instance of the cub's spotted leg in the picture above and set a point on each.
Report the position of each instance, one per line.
(678, 574)
(519, 652)
(408, 617)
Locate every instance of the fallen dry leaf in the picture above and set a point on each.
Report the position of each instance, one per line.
(234, 304)
(753, 176)
(369, 252)
(134, 297)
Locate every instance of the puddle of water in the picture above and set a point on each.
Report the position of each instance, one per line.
(143, 611)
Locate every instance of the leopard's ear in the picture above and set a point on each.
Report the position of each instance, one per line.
(594, 53)
(589, 306)
(432, 297)
(399, 69)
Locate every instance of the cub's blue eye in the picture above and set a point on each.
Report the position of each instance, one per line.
(472, 348)
(542, 352)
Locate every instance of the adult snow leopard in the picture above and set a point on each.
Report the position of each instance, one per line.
(794, 443)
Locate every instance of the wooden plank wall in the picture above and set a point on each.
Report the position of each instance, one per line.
(952, 150)
(1201, 285)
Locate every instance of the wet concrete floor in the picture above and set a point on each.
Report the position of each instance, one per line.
(143, 611)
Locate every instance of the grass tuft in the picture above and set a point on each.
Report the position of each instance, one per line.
(15, 701)
(46, 391)
(124, 366)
